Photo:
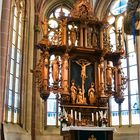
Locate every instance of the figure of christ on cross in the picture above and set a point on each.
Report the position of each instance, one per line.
(83, 63)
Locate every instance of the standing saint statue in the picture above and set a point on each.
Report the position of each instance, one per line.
(63, 31)
(64, 72)
(55, 70)
(91, 93)
(109, 74)
(73, 35)
(73, 91)
(45, 27)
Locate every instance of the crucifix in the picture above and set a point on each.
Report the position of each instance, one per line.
(83, 63)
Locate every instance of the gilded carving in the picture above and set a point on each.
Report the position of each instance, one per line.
(91, 94)
(92, 137)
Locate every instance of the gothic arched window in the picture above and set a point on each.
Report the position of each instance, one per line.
(128, 112)
(13, 86)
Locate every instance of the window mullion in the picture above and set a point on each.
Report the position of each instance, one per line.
(45, 113)
(138, 62)
(7, 86)
(15, 57)
(57, 106)
(129, 95)
(8, 69)
(120, 115)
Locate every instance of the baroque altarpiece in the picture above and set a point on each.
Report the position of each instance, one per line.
(85, 71)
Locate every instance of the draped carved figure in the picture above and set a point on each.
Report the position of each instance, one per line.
(55, 70)
(73, 35)
(45, 27)
(65, 69)
(80, 97)
(91, 94)
(73, 91)
(109, 74)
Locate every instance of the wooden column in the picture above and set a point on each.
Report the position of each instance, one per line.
(65, 72)
(81, 37)
(101, 38)
(85, 37)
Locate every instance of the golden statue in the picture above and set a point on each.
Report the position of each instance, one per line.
(45, 27)
(63, 31)
(55, 70)
(73, 35)
(92, 138)
(91, 93)
(80, 97)
(109, 74)
(73, 91)
(83, 63)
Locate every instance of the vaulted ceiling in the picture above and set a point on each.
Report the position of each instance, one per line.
(100, 6)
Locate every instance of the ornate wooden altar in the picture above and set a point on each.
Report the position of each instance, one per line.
(88, 133)
(85, 71)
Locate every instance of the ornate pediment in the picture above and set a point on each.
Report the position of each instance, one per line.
(83, 10)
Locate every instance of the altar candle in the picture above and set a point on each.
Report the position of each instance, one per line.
(97, 116)
(92, 117)
(79, 116)
(71, 113)
(75, 115)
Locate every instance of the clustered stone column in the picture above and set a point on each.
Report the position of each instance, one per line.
(4, 50)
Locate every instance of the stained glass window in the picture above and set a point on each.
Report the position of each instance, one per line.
(118, 6)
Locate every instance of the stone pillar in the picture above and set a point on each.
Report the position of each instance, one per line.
(4, 33)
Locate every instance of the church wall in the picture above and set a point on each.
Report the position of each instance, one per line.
(15, 132)
(122, 133)
(28, 66)
(4, 29)
(127, 133)
(3, 49)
